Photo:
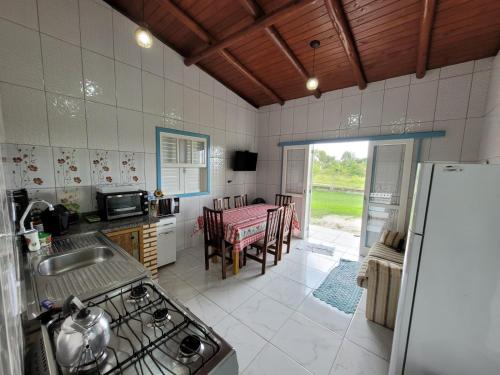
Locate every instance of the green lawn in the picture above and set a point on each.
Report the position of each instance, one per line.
(337, 203)
(339, 180)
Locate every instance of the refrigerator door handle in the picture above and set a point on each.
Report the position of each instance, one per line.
(453, 168)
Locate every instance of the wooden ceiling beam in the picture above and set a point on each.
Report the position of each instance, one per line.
(251, 7)
(339, 20)
(238, 66)
(261, 23)
(197, 29)
(254, 9)
(187, 21)
(424, 38)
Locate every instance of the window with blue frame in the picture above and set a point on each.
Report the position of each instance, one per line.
(182, 162)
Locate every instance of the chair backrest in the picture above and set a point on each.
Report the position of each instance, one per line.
(240, 200)
(288, 217)
(213, 225)
(281, 200)
(273, 225)
(222, 203)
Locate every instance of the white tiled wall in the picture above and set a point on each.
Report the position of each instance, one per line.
(81, 102)
(452, 98)
(490, 139)
(11, 335)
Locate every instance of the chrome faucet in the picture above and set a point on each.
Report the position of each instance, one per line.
(22, 229)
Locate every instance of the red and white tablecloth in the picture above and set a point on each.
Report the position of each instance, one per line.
(245, 225)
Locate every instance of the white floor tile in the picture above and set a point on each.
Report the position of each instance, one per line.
(371, 336)
(249, 308)
(251, 276)
(308, 276)
(263, 315)
(354, 360)
(196, 252)
(230, 295)
(310, 344)
(272, 361)
(206, 310)
(320, 262)
(286, 291)
(176, 288)
(246, 342)
(184, 264)
(203, 280)
(322, 313)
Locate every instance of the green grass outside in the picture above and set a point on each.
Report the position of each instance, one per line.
(337, 203)
(339, 180)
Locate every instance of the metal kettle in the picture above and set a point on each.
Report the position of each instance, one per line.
(84, 335)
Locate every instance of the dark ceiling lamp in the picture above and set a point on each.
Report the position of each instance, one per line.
(312, 83)
(143, 36)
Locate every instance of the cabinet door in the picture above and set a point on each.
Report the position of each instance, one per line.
(134, 245)
(128, 240)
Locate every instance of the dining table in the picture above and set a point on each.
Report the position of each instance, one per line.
(244, 226)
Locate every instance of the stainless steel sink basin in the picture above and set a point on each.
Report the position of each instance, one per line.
(84, 265)
(58, 264)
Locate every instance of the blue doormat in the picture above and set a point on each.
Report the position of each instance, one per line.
(340, 289)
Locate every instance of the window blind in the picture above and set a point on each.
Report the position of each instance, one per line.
(183, 163)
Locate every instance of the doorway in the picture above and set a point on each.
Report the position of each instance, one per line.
(340, 208)
(337, 189)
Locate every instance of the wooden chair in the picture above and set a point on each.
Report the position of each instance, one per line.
(213, 229)
(240, 200)
(222, 203)
(286, 233)
(281, 200)
(270, 242)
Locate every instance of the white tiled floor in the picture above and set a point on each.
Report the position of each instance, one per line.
(343, 240)
(273, 321)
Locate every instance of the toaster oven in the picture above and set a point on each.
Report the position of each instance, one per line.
(117, 205)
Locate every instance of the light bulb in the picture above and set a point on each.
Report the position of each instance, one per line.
(312, 83)
(143, 37)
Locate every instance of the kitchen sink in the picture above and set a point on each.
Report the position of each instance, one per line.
(84, 265)
(58, 264)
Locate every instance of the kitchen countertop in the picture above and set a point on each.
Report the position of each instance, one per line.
(109, 226)
(31, 303)
(118, 269)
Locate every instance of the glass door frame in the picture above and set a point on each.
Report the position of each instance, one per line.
(305, 196)
(405, 184)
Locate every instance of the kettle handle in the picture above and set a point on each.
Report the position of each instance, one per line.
(70, 302)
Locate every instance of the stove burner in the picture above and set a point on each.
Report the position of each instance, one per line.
(149, 331)
(190, 345)
(160, 315)
(93, 364)
(138, 293)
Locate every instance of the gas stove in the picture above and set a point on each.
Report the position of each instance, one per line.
(150, 334)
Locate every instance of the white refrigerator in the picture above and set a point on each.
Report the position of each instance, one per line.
(448, 319)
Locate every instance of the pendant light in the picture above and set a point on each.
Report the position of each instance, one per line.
(312, 83)
(143, 36)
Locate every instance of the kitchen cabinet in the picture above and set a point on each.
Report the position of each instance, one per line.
(140, 242)
(129, 240)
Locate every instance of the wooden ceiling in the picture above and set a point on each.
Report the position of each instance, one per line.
(260, 48)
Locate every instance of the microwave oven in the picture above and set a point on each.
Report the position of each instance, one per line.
(117, 205)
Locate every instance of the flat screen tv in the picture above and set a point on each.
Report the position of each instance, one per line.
(245, 161)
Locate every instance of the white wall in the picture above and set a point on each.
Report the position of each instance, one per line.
(11, 335)
(451, 98)
(81, 101)
(490, 140)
